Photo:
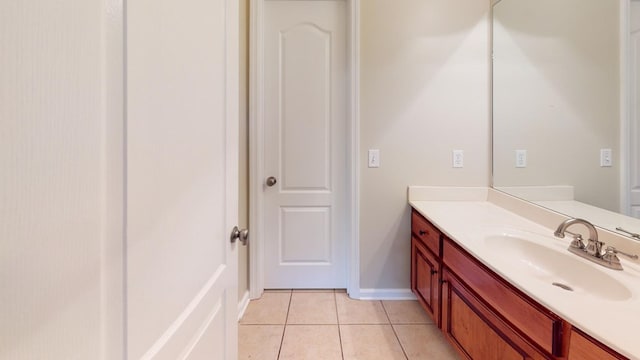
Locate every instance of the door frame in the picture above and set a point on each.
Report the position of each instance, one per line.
(625, 107)
(256, 146)
(628, 112)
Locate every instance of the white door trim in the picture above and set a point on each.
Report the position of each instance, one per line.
(625, 111)
(256, 144)
(629, 127)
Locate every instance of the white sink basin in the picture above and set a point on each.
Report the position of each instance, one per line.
(558, 268)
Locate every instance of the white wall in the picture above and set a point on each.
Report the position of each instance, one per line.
(424, 92)
(556, 94)
(60, 198)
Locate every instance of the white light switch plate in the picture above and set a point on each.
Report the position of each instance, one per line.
(458, 158)
(521, 158)
(606, 158)
(374, 158)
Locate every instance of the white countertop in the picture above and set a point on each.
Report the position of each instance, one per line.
(613, 322)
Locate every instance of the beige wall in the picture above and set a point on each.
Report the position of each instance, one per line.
(424, 92)
(556, 94)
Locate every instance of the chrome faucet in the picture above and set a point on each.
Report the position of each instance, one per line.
(593, 250)
(594, 247)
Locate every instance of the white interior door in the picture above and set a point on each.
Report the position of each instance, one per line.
(634, 114)
(71, 287)
(181, 272)
(305, 118)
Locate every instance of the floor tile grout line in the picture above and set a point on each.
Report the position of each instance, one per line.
(387, 322)
(404, 352)
(293, 325)
(385, 312)
(320, 300)
(335, 301)
(284, 329)
(335, 298)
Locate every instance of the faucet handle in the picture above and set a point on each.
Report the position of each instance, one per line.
(614, 251)
(594, 248)
(577, 241)
(610, 255)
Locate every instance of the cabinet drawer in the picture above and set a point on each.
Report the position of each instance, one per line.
(542, 327)
(425, 232)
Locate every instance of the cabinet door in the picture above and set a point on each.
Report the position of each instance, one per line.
(532, 321)
(425, 281)
(474, 330)
(583, 347)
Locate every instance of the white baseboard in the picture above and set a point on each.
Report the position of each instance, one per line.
(242, 304)
(386, 294)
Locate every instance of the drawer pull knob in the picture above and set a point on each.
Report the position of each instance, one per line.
(422, 232)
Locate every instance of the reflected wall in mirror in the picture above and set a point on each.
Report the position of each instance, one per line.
(558, 86)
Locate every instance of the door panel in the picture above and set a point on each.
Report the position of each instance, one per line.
(118, 226)
(211, 337)
(305, 117)
(181, 178)
(310, 224)
(305, 143)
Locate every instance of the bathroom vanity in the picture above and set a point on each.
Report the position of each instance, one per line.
(493, 302)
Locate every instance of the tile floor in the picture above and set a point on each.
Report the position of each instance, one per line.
(327, 324)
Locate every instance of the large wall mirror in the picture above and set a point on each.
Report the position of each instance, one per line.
(565, 133)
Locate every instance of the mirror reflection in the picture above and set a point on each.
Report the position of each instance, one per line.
(561, 120)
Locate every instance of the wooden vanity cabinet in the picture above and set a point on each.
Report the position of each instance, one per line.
(475, 330)
(425, 279)
(426, 265)
(486, 318)
(531, 322)
(426, 233)
(481, 314)
(584, 347)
